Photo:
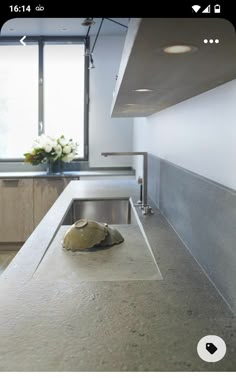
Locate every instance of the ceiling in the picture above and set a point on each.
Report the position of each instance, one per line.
(60, 27)
(172, 77)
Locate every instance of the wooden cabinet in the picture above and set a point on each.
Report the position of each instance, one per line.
(46, 191)
(16, 209)
(23, 203)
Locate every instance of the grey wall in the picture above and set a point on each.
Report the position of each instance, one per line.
(154, 170)
(203, 213)
(197, 134)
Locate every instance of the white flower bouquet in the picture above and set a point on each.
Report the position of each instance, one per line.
(48, 149)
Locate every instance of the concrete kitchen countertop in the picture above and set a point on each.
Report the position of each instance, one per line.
(129, 260)
(132, 325)
(43, 174)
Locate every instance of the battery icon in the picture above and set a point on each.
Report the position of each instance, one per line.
(217, 8)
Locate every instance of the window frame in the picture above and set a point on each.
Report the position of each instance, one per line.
(41, 42)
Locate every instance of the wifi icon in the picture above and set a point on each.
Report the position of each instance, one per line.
(196, 8)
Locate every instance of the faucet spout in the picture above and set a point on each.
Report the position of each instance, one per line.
(145, 207)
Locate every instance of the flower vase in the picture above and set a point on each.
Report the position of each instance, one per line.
(55, 167)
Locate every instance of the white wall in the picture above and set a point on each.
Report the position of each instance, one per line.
(198, 134)
(106, 133)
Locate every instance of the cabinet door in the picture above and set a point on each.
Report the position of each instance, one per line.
(46, 191)
(16, 209)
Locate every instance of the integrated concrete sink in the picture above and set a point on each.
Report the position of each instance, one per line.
(111, 211)
(131, 260)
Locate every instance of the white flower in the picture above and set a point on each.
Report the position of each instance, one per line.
(67, 149)
(73, 146)
(62, 141)
(53, 143)
(47, 148)
(45, 142)
(68, 157)
(58, 149)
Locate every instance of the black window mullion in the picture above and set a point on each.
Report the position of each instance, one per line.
(41, 128)
(86, 102)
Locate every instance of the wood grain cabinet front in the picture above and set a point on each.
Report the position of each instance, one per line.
(16, 210)
(23, 204)
(46, 191)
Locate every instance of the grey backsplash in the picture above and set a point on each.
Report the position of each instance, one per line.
(203, 213)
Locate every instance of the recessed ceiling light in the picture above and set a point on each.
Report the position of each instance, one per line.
(179, 49)
(143, 90)
(11, 29)
(64, 29)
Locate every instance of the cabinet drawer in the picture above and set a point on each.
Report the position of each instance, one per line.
(16, 209)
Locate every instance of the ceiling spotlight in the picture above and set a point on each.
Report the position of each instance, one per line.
(91, 64)
(142, 90)
(179, 49)
(87, 52)
(88, 22)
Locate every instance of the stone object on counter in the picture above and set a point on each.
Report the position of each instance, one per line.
(113, 237)
(85, 234)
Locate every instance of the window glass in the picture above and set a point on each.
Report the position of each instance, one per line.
(18, 99)
(60, 105)
(64, 91)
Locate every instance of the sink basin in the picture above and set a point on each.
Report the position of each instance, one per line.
(131, 260)
(111, 211)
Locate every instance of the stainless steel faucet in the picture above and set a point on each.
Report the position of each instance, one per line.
(146, 209)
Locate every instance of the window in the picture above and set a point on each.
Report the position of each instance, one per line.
(18, 99)
(43, 90)
(64, 91)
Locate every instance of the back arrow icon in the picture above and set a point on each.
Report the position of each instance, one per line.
(22, 40)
